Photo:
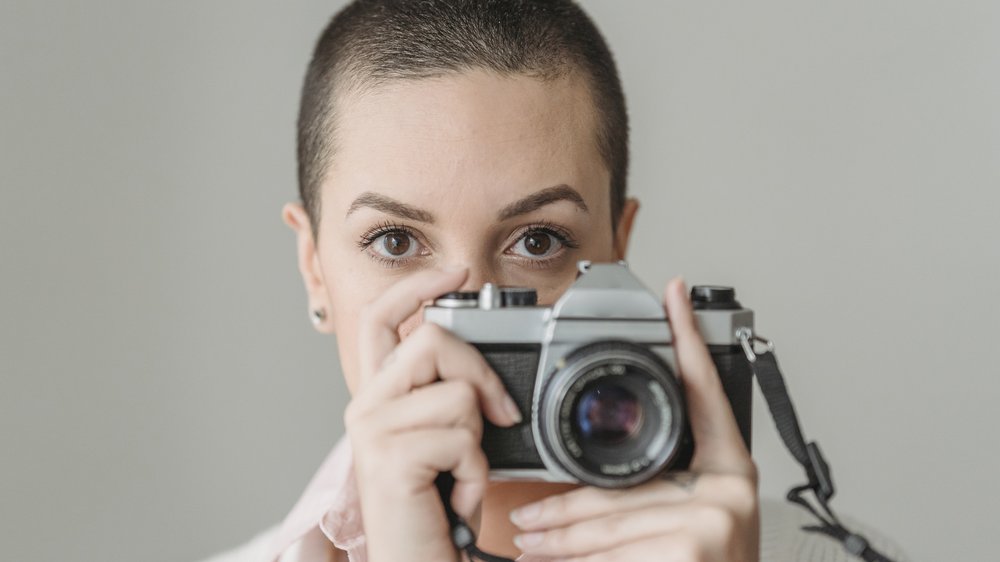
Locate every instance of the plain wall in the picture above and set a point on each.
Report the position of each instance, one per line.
(164, 395)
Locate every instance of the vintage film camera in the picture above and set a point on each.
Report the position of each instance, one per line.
(595, 375)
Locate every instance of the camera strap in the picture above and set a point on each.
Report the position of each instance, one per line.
(820, 481)
(462, 535)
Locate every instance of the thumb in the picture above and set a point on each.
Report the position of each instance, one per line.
(718, 446)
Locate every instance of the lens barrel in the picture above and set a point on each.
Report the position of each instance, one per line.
(613, 415)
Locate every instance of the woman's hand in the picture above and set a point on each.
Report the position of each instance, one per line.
(707, 514)
(404, 430)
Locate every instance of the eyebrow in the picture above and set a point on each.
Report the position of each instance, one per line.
(542, 198)
(523, 206)
(390, 206)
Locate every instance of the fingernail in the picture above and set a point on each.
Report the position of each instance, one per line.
(512, 410)
(528, 540)
(526, 514)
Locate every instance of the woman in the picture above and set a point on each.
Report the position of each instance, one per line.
(443, 145)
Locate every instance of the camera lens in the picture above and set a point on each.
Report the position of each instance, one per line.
(607, 413)
(612, 414)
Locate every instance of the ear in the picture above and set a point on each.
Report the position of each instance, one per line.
(624, 231)
(298, 220)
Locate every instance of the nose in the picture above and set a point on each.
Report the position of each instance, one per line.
(481, 271)
(477, 279)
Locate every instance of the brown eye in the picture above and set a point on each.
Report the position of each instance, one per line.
(396, 243)
(537, 243)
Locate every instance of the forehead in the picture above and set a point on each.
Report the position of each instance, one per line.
(459, 136)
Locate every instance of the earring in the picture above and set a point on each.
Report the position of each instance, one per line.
(318, 315)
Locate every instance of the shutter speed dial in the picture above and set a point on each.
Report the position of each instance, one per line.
(489, 297)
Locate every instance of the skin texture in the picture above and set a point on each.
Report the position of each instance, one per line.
(458, 151)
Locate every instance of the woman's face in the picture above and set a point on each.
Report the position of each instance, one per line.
(497, 174)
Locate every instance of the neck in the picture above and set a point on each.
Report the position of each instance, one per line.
(496, 532)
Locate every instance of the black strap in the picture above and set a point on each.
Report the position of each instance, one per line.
(772, 385)
(462, 535)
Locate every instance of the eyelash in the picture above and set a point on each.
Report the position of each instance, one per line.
(378, 231)
(560, 234)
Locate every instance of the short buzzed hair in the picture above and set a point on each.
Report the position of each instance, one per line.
(371, 42)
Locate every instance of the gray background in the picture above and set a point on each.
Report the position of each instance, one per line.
(163, 395)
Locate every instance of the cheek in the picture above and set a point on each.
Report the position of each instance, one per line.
(549, 286)
(348, 295)
(346, 330)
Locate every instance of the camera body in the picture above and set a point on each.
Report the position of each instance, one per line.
(595, 375)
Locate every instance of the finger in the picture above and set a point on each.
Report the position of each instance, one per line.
(380, 319)
(454, 450)
(396, 469)
(718, 445)
(677, 547)
(431, 353)
(676, 488)
(422, 409)
(604, 533)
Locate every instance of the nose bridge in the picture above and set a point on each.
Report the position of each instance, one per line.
(481, 270)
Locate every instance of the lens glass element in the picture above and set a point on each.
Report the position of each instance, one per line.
(607, 414)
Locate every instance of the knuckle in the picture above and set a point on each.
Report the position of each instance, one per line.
(742, 493)
(352, 415)
(479, 457)
(466, 439)
(557, 539)
(688, 549)
(475, 425)
(471, 415)
(360, 434)
(490, 376)
(465, 400)
(616, 526)
(429, 332)
(464, 394)
(721, 520)
(427, 339)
